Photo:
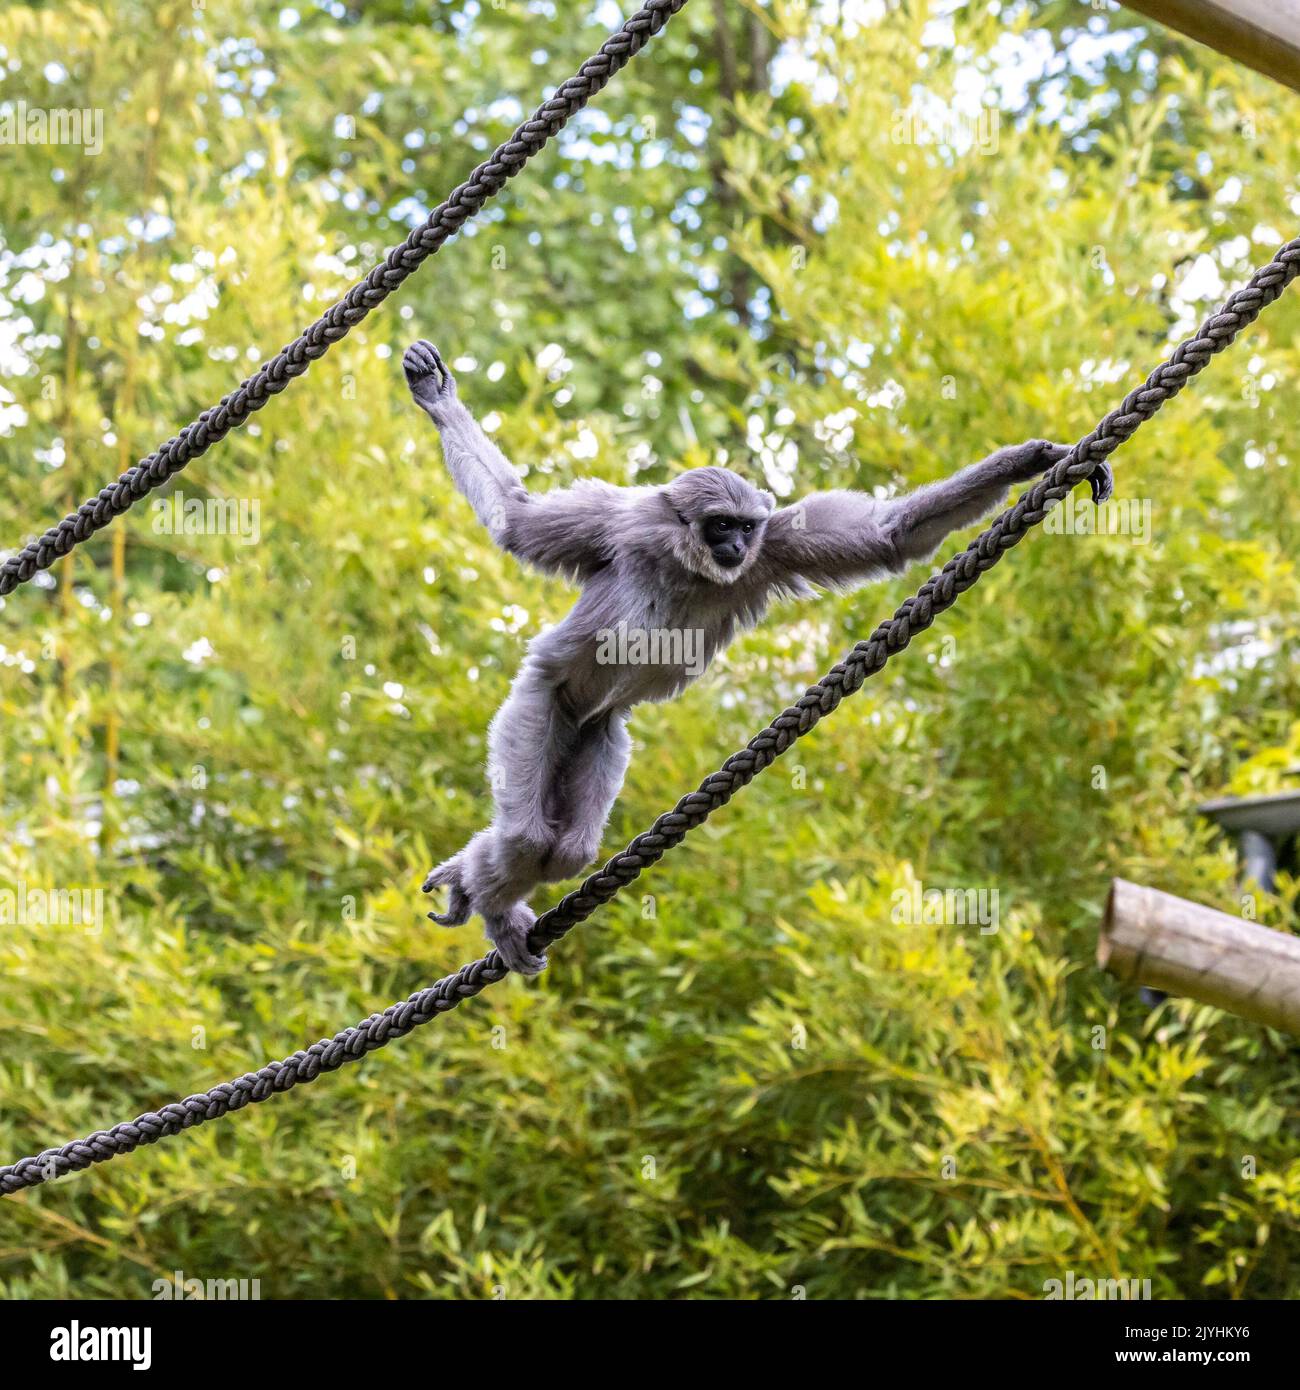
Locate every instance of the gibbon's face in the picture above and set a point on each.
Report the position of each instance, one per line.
(722, 520)
(730, 537)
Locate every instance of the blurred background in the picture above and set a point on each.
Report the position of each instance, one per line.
(853, 244)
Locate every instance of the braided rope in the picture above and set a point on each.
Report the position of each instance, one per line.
(272, 377)
(914, 615)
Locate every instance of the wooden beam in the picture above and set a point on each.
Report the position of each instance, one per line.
(1262, 34)
(1153, 938)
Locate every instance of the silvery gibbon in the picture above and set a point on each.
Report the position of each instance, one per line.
(669, 575)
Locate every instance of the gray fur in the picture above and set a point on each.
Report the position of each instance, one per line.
(558, 747)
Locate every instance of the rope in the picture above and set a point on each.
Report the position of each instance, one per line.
(272, 377)
(914, 615)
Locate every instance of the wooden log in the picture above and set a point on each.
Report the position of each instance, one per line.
(1155, 939)
(1262, 34)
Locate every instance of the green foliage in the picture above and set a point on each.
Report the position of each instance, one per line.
(749, 1077)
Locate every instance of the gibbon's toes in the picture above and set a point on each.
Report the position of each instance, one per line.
(1102, 482)
(459, 907)
(458, 912)
(509, 934)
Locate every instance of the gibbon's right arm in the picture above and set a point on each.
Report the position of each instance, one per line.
(564, 532)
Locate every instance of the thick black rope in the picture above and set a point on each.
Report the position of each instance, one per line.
(914, 615)
(272, 377)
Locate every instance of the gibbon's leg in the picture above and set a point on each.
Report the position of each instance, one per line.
(531, 741)
(555, 783)
(582, 773)
(519, 740)
(586, 792)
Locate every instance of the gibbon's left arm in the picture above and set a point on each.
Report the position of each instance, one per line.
(565, 531)
(842, 539)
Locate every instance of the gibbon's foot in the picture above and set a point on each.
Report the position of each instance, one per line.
(459, 909)
(508, 932)
(426, 374)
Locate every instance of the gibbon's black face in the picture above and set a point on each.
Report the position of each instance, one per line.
(722, 519)
(730, 537)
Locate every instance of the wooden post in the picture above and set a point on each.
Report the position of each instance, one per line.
(1262, 34)
(1155, 939)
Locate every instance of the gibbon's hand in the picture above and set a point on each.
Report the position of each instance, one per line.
(1038, 455)
(427, 376)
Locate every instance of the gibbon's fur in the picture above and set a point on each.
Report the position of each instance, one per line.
(693, 562)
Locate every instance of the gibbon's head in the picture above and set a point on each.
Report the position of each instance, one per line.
(722, 519)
